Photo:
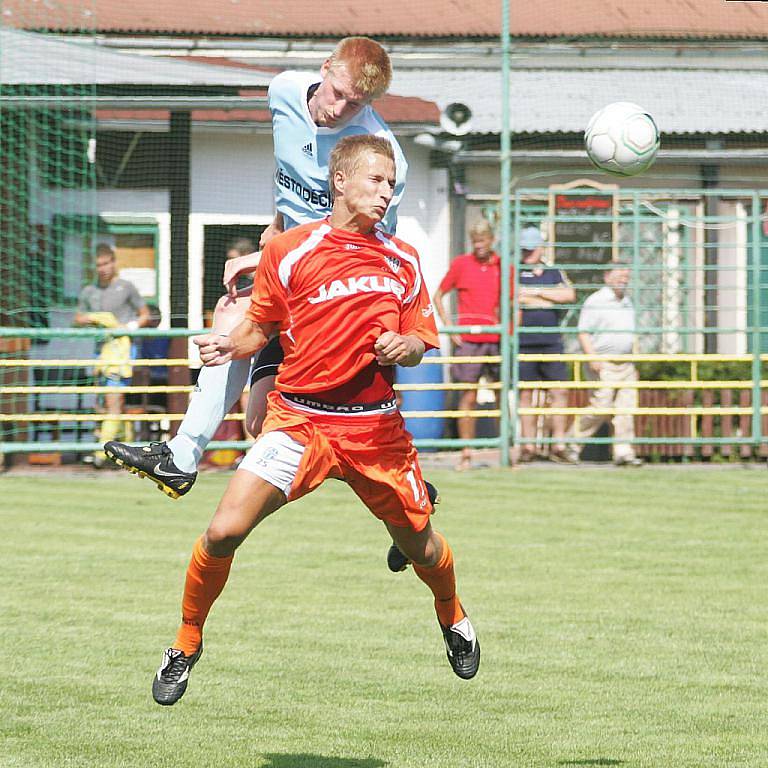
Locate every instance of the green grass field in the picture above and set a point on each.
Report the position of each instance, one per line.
(622, 617)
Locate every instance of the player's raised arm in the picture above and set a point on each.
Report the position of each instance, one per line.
(246, 339)
(238, 266)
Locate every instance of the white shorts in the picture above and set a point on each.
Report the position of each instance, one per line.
(274, 457)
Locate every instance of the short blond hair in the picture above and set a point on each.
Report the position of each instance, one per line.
(367, 62)
(481, 228)
(345, 156)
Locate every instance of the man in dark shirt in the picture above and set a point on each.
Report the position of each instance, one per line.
(542, 289)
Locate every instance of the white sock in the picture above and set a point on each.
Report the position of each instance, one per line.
(218, 389)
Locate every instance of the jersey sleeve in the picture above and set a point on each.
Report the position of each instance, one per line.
(449, 281)
(278, 88)
(268, 301)
(562, 278)
(418, 315)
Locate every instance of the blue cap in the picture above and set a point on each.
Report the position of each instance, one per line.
(530, 239)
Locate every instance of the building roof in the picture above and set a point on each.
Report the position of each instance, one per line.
(27, 58)
(30, 59)
(396, 110)
(562, 100)
(398, 18)
(393, 107)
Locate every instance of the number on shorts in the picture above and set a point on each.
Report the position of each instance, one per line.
(414, 485)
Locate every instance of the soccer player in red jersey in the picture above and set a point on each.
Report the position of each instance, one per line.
(351, 304)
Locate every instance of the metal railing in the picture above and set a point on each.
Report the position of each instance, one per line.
(698, 300)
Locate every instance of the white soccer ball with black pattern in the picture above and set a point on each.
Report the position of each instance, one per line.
(622, 139)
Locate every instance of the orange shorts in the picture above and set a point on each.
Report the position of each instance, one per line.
(374, 453)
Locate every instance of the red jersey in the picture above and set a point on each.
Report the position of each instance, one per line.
(334, 293)
(479, 287)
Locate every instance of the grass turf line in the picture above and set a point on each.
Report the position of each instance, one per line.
(621, 614)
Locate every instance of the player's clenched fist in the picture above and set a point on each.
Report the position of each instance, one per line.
(393, 349)
(214, 349)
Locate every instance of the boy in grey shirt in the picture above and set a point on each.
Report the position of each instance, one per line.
(113, 303)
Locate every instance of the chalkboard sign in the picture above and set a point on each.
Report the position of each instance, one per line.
(583, 229)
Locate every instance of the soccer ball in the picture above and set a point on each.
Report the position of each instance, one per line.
(622, 139)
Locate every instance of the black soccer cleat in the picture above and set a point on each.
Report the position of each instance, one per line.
(432, 492)
(396, 560)
(462, 648)
(170, 682)
(154, 461)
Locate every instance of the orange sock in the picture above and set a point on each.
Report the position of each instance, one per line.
(206, 577)
(441, 579)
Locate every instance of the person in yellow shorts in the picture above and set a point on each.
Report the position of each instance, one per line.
(111, 302)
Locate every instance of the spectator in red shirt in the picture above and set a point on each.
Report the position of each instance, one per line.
(476, 277)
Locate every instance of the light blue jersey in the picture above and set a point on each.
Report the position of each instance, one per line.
(302, 150)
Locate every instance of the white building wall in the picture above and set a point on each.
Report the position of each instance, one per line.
(423, 218)
(133, 200)
(231, 182)
(232, 173)
(732, 279)
(232, 177)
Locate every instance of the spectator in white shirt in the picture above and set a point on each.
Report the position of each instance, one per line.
(607, 327)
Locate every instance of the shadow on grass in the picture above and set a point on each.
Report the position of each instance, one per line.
(594, 761)
(318, 761)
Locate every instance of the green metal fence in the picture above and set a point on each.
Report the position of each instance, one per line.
(700, 305)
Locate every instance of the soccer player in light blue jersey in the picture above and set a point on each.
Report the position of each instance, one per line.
(308, 119)
(310, 113)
